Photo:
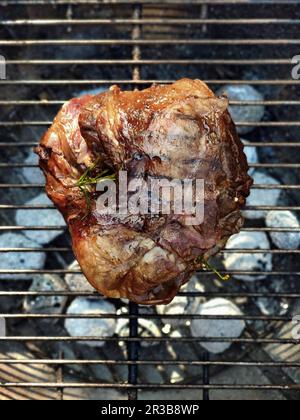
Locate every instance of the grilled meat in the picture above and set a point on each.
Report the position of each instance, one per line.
(181, 131)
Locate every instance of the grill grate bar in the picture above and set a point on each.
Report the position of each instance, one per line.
(206, 273)
(19, 102)
(147, 363)
(133, 347)
(139, 2)
(38, 228)
(182, 62)
(231, 340)
(146, 42)
(142, 82)
(148, 316)
(258, 186)
(188, 294)
(238, 123)
(228, 251)
(252, 144)
(161, 21)
(256, 165)
(290, 387)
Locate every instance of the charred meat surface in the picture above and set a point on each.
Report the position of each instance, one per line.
(180, 131)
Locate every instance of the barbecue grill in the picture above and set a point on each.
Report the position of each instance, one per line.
(56, 49)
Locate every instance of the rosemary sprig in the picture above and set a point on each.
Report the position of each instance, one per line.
(213, 269)
(88, 178)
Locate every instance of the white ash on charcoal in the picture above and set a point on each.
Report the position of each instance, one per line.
(194, 285)
(148, 328)
(252, 155)
(178, 374)
(46, 304)
(269, 306)
(2, 327)
(244, 113)
(40, 218)
(284, 219)
(182, 305)
(19, 260)
(77, 282)
(262, 197)
(152, 374)
(248, 262)
(33, 175)
(218, 328)
(92, 327)
(175, 348)
(179, 306)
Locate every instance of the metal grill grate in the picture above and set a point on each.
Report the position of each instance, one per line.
(134, 47)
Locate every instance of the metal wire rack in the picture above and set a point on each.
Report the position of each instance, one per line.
(136, 30)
